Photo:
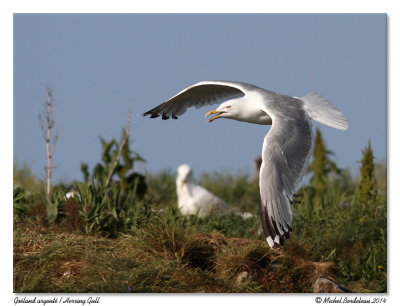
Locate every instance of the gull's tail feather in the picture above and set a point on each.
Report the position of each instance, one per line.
(321, 110)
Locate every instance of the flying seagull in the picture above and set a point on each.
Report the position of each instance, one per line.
(194, 199)
(286, 148)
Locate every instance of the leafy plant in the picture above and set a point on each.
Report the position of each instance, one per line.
(321, 169)
(366, 189)
(109, 210)
(110, 199)
(349, 229)
(127, 179)
(18, 200)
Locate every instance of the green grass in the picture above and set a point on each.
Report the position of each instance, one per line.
(352, 235)
(151, 247)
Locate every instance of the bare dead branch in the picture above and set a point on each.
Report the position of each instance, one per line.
(54, 141)
(46, 132)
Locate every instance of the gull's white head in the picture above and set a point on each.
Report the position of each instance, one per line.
(230, 109)
(240, 110)
(185, 174)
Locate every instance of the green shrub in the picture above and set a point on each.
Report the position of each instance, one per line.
(104, 172)
(348, 228)
(160, 250)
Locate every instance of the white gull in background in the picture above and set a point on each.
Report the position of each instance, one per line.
(194, 199)
(286, 148)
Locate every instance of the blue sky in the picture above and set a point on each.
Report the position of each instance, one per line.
(99, 66)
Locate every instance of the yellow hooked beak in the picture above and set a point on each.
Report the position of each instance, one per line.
(215, 117)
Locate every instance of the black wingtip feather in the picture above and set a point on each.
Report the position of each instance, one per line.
(281, 240)
(271, 228)
(275, 226)
(266, 224)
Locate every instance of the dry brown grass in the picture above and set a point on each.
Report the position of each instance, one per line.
(158, 257)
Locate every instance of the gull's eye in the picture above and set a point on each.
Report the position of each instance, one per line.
(228, 107)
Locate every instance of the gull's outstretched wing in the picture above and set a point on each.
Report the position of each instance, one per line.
(285, 154)
(198, 95)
